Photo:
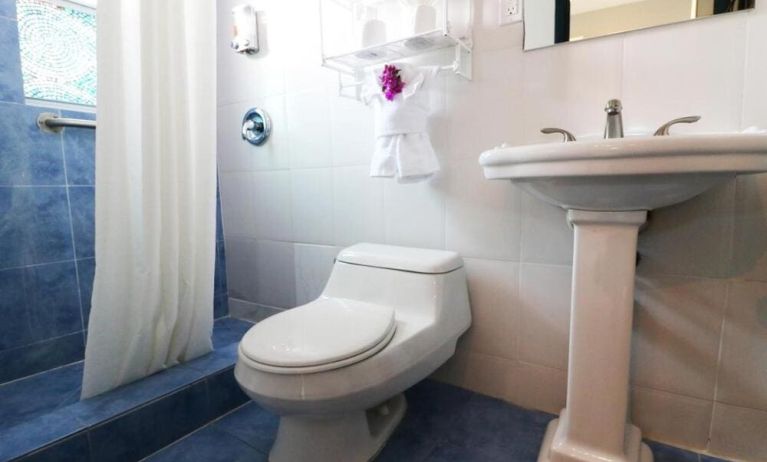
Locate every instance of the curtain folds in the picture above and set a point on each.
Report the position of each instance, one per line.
(152, 303)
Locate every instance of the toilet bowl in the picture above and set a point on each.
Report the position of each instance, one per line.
(334, 369)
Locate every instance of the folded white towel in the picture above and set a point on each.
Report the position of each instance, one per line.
(403, 148)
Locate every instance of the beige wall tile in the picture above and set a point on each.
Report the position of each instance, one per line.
(739, 433)
(743, 368)
(677, 331)
(544, 293)
(670, 418)
(493, 292)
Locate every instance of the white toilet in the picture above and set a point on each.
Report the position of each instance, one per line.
(334, 369)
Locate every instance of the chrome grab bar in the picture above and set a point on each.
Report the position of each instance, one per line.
(53, 123)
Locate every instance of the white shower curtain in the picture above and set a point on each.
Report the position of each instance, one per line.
(152, 304)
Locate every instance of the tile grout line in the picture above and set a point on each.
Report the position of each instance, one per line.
(722, 328)
(72, 233)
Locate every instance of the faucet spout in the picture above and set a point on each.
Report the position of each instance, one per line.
(614, 125)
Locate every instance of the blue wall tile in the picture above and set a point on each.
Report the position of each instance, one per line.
(28, 156)
(85, 272)
(151, 428)
(31, 359)
(38, 303)
(209, 445)
(220, 274)
(34, 226)
(81, 201)
(253, 425)
(80, 151)
(225, 393)
(73, 449)
(8, 8)
(11, 84)
(220, 306)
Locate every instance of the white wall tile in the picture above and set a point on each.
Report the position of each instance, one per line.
(486, 33)
(244, 77)
(352, 132)
(237, 204)
(743, 371)
(241, 268)
(262, 272)
(754, 94)
(485, 112)
(486, 374)
(313, 265)
(415, 213)
(493, 293)
(482, 218)
(738, 433)
(272, 214)
(253, 312)
(235, 154)
(357, 206)
(544, 294)
(693, 238)
(312, 205)
(686, 69)
(567, 86)
(309, 129)
(546, 236)
(673, 419)
(538, 387)
(677, 330)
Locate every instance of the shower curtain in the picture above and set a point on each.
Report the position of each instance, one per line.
(152, 303)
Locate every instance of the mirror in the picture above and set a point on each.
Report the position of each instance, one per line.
(548, 22)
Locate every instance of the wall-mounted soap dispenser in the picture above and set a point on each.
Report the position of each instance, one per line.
(244, 29)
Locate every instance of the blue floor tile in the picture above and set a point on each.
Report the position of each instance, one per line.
(138, 434)
(711, 459)
(73, 449)
(225, 393)
(664, 453)
(210, 445)
(229, 330)
(497, 426)
(452, 453)
(26, 399)
(252, 425)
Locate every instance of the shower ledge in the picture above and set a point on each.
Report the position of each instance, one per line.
(205, 388)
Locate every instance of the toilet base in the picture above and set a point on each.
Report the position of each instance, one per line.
(350, 437)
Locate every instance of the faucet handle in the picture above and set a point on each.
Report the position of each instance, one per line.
(664, 129)
(566, 136)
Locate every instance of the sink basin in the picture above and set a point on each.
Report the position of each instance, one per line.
(608, 186)
(622, 174)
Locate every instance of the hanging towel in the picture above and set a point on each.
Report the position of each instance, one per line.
(403, 148)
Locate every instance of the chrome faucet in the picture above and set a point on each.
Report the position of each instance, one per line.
(614, 125)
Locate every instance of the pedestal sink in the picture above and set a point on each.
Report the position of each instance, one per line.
(607, 187)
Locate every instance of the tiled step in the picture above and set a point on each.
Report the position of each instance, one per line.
(43, 420)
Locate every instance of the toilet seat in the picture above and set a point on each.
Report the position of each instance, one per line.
(325, 334)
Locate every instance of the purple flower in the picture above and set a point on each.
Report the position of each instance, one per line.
(391, 82)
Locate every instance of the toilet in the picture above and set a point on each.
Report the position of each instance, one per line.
(334, 369)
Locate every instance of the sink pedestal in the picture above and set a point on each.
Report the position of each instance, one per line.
(593, 427)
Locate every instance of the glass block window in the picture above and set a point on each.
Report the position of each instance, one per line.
(58, 51)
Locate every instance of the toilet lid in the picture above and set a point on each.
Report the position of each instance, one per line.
(324, 331)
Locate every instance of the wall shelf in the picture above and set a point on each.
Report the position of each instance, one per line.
(343, 24)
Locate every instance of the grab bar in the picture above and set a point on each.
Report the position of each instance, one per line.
(53, 123)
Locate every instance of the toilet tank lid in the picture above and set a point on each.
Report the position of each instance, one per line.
(401, 258)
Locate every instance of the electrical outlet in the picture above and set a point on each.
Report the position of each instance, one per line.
(509, 11)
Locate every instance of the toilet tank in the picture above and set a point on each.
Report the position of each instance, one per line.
(416, 282)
